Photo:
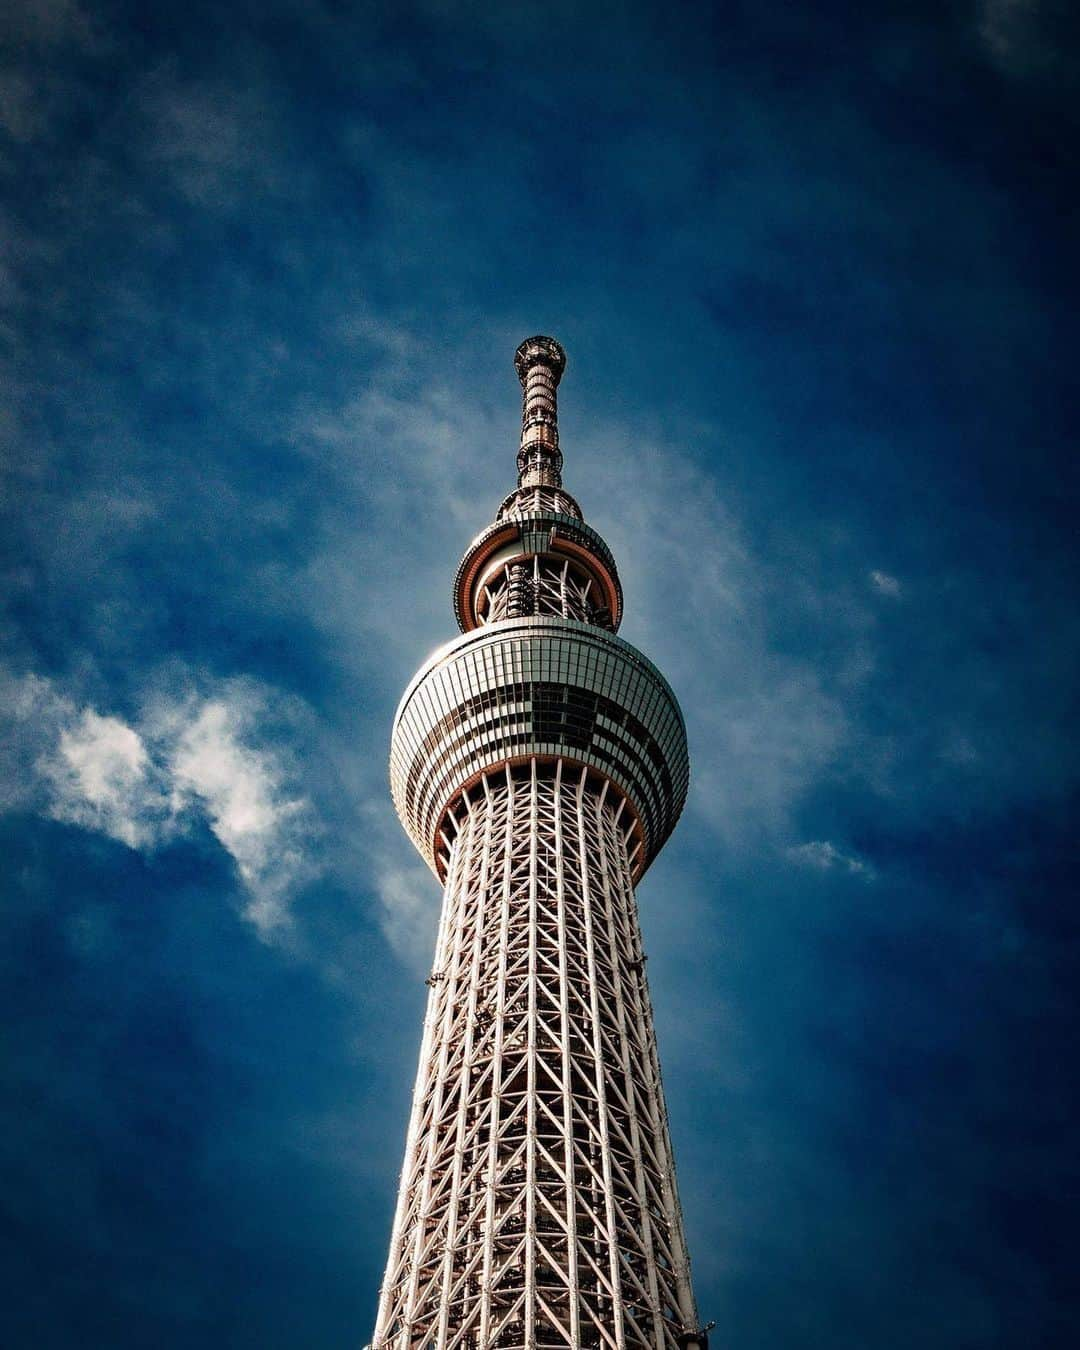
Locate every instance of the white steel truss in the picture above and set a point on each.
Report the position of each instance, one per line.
(539, 586)
(538, 1205)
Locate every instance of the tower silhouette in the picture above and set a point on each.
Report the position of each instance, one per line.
(538, 763)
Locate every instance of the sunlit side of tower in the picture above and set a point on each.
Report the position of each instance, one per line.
(539, 763)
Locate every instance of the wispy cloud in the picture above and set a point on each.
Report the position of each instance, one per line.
(823, 856)
(408, 900)
(212, 144)
(1008, 31)
(885, 584)
(264, 824)
(189, 758)
(1029, 40)
(764, 725)
(100, 778)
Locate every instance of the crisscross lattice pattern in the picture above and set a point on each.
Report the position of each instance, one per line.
(539, 501)
(541, 586)
(537, 1205)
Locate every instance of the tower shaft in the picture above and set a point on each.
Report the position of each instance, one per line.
(538, 1205)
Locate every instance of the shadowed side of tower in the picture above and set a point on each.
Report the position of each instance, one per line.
(539, 763)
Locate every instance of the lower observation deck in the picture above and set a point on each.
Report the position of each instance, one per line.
(538, 688)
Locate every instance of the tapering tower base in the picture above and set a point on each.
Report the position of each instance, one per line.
(537, 1205)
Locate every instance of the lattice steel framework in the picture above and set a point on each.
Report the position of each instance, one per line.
(539, 763)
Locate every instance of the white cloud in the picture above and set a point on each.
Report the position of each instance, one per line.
(100, 779)
(824, 856)
(409, 900)
(249, 807)
(885, 584)
(189, 758)
(31, 714)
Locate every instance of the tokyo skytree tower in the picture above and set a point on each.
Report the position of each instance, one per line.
(539, 763)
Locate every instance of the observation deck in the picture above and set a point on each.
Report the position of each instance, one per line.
(540, 688)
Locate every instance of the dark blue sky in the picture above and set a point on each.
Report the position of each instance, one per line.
(265, 267)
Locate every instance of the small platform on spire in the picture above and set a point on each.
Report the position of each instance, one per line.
(540, 351)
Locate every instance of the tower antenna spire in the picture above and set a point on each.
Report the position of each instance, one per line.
(540, 362)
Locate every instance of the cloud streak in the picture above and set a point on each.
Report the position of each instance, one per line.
(821, 855)
(885, 584)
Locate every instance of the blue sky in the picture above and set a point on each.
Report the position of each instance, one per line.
(265, 267)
